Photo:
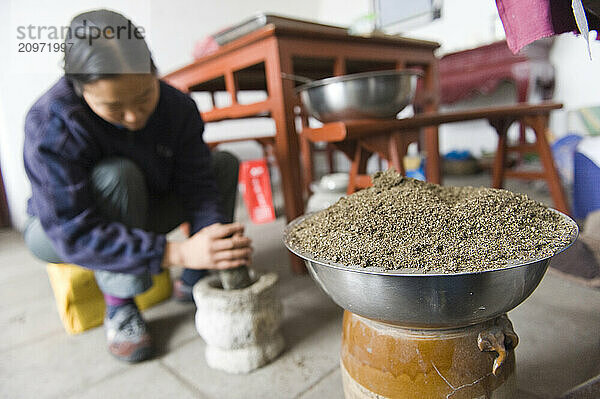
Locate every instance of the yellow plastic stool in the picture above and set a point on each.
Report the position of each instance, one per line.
(80, 302)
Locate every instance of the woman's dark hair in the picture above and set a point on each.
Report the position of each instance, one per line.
(103, 44)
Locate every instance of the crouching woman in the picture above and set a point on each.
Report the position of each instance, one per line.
(116, 160)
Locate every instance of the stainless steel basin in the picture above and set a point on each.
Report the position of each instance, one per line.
(379, 94)
(427, 300)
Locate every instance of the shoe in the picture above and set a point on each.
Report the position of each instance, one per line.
(182, 292)
(127, 335)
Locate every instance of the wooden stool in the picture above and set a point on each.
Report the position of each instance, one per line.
(80, 302)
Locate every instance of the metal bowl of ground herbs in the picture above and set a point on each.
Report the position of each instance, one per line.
(421, 255)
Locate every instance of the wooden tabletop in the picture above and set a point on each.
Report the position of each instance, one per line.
(355, 129)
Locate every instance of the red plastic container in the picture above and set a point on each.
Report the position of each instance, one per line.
(255, 184)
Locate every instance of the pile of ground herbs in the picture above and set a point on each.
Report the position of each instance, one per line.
(412, 226)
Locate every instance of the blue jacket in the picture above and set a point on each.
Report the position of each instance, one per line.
(64, 140)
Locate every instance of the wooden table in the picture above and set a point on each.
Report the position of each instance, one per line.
(390, 138)
(257, 60)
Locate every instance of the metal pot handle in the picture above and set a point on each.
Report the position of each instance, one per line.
(499, 338)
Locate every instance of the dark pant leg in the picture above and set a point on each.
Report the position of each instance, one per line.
(120, 187)
(121, 193)
(166, 212)
(225, 168)
(38, 242)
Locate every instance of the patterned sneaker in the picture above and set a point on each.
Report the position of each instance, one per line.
(182, 292)
(127, 335)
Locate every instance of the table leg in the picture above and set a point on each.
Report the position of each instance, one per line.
(331, 158)
(397, 147)
(501, 126)
(397, 151)
(432, 149)
(539, 124)
(287, 149)
(306, 152)
(358, 167)
(433, 164)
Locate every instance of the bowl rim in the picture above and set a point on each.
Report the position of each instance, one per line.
(355, 76)
(357, 269)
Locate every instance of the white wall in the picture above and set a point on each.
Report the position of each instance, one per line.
(464, 24)
(577, 78)
(172, 27)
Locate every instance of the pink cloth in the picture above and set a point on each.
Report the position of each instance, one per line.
(527, 21)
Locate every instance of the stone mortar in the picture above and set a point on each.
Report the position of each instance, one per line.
(240, 327)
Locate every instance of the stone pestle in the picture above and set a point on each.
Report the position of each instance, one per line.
(235, 278)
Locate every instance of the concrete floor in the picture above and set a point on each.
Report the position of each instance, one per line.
(558, 327)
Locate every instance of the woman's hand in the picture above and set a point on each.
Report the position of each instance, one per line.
(218, 246)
